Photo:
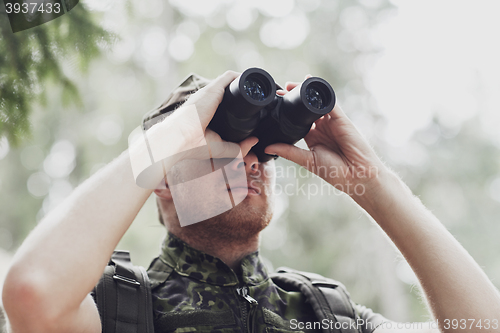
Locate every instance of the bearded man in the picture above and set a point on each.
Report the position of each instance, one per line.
(209, 276)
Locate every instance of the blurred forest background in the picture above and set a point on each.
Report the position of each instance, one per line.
(421, 85)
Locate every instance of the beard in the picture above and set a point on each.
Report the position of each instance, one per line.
(239, 224)
(234, 227)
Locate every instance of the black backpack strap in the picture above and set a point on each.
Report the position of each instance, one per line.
(123, 297)
(328, 298)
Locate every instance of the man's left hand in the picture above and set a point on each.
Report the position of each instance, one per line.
(338, 153)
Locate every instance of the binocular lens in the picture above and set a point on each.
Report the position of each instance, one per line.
(315, 98)
(251, 107)
(254, 89)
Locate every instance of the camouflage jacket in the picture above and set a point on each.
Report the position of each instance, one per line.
(196, 292)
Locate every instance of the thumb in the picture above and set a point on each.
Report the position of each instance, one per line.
(247, 144)
(295, 154)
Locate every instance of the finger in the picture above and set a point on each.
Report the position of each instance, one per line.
(308, 76)
(281, 92)
(225, 79)
(337, 113)
(290, 85)
(215, 86)
(211, 136)
(209, 97)
(319, 120)
(247, 144)
(291, 153)
(224, 149)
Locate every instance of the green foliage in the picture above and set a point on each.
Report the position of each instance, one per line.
(32, 58)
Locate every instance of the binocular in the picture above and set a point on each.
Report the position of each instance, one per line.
(251, 107)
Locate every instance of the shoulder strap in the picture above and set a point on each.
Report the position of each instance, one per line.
(328, 298)
(123, 297)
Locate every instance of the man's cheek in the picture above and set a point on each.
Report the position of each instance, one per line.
(270, 178)
(268, 171)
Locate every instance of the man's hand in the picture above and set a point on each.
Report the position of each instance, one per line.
(206, 101)
(441, 264)
(208, 98)
(184, 135)
(338, 153)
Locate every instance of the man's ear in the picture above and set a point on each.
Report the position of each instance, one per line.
(163, 191)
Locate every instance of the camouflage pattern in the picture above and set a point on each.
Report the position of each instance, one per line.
(196, 292)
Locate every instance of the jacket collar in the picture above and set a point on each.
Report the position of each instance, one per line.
(190, 262)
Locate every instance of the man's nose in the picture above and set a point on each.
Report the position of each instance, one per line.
(251, 163)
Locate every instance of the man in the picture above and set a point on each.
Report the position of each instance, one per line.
(47, 288)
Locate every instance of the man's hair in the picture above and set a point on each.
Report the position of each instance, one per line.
(160, 217)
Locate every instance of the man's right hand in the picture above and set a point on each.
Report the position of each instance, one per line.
(206, 101)
(184, 134)
(208, 98)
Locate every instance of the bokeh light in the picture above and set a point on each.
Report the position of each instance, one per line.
(39, 184)
(285, 32)
(434, 65)
(4, 147)
(61, 160)
(181, 47)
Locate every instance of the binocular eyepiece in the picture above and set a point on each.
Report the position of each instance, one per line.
(251, 107)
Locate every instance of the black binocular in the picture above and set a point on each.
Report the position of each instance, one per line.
(251, 107)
